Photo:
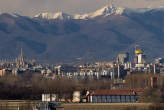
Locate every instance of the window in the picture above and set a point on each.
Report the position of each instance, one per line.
(114, 99)
(94, 99)
(127, 98)
(103, 99)
(118, 99)
(133, 99)
(99, 99)
(109, 99)
(123, 99)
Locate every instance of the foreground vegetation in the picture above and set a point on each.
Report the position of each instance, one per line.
(31, 86)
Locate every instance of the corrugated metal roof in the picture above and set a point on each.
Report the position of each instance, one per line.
(117, 92)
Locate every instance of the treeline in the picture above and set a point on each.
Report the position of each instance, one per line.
(153, 91)
(31, 87)
(23, 87)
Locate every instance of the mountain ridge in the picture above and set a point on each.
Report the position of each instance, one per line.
(96, 39)
(105, 11)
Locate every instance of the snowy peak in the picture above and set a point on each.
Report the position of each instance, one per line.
(103, 12)
(83, 16)
(59, 15)
(106, 11)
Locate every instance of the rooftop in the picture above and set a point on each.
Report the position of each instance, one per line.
(117, 92)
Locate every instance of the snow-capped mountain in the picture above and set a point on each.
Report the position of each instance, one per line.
(98, 39)
(105, 11)
(59, 15)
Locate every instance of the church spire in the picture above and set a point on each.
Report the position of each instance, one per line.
(20, 62)
(21, 55)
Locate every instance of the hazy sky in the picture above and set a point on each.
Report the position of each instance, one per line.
(32, 7)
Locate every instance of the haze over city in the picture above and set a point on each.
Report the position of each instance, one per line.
(32, 7)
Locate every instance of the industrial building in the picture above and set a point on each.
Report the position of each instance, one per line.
(114, 96)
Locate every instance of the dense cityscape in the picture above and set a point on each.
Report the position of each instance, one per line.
(117, 69)
(117, 81)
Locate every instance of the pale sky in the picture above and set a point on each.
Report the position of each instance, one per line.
(33, 7)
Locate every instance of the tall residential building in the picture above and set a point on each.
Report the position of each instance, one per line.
(123, 58)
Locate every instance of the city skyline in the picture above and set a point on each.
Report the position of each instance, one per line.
(33, 7)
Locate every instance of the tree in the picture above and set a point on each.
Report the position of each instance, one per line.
(152, 95)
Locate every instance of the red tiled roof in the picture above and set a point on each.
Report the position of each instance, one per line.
(117, 92)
